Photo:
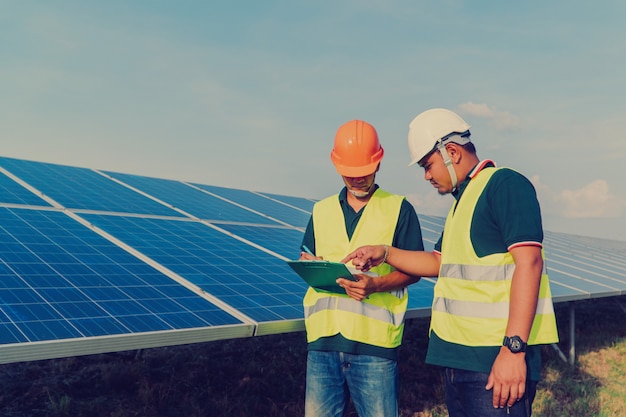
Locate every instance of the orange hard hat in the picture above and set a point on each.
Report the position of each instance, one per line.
(357, 151)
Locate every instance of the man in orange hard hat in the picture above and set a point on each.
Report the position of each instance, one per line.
(353, 337)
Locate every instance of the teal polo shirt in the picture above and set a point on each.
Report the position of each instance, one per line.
(506, 213)
(408, 235)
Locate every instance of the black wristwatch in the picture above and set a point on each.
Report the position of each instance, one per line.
(514, 343)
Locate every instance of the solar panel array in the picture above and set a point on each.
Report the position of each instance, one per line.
(97, 261)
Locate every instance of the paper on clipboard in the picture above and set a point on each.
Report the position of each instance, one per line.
(323, 274)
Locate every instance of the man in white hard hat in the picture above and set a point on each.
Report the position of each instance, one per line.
(492, 306)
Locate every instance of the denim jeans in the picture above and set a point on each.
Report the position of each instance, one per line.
(466, 396)
(333, 377)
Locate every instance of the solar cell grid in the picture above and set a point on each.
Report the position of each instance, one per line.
(191, 200)
(238, 273)
(276, 210)
(48, 294)
(81, 188)
(420, 298)
(285, 242)
(578, 270)
(612, 275)
(305, 204)
(562, 291)
(13, 193)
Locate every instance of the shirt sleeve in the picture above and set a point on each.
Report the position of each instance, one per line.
(309, 236)
(515, 209)
(438, 244)
(408, 233)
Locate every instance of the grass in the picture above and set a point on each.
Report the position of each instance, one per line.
(595, 386)
(264, 376)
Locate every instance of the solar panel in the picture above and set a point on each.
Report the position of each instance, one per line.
(580, 270)
(301, 203)
(81, 188)
(259, 284)
(283, 241)
(193, 201)
(97, 261)
(431, 230)
(13, 193)
(61, 281)
(280, 211)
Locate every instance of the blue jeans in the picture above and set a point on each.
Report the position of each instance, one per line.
(466, 396)
(333, 377)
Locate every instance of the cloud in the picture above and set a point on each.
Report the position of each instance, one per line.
(594, 200)
(499, 120)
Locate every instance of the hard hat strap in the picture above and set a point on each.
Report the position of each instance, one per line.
(459, 139)
(448, 162)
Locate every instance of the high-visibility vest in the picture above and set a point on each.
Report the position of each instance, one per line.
(472, 294)
(379, 319)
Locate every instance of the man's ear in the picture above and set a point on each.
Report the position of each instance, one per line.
(454, 151)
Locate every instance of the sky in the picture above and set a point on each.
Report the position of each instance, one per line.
(249, 94)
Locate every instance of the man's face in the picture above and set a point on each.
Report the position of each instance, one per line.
(360, 186)
(436, 172)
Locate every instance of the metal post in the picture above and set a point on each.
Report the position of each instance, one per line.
(572, 334)
(559, 352)
(572, 338)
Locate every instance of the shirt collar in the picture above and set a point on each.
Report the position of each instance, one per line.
(479, 167)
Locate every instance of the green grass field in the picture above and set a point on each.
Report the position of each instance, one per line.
(264, 376)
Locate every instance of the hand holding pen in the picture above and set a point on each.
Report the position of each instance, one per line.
(307, 255)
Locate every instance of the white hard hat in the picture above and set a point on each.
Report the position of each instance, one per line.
(434, 128)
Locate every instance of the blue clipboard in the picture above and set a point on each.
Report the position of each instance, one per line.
(322, 275)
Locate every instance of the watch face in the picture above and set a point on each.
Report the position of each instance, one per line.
(515, 344)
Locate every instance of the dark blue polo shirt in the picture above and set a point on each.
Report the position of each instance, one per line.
(506, 213)
(408, 235)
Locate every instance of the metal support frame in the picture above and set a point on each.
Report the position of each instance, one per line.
(572, 334)
(572, 338)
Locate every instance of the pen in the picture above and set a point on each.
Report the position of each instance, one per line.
(307, 250)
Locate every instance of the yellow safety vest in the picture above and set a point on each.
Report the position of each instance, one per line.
(377, 320)
(472, 294)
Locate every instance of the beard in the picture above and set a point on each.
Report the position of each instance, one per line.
(361, 193)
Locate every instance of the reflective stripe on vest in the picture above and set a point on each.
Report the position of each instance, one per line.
(484, 310)
(377, 320)
(472, 294)
(480, 272)
(345, 304)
